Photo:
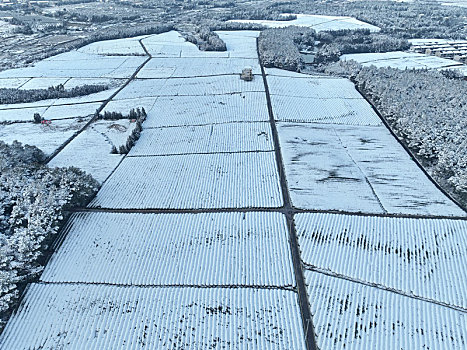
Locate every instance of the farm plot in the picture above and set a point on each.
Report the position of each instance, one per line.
(200, 86)
(235, 137)
(193, 67)
(111, 317)
(46, 137)
(48, 112)
(71, 111)
(201, 110)
(76, 64)
(127, 46)
(197, 110)
(238, 180)
(357, 169)
(97, 160)
(12, 83)
(223, 249)
(328, 111)
(401, 60)
(168, 44)
(357, 316)
(43, 83)
(20, 114)
(172, 44)
(317, 22)
(313, 87)
(421, 257)
(240, 43)
(190, 50)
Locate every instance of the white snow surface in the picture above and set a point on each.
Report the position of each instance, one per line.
(401, 60)
(223, 249)
(89, 151)
(46, 137)
(313, 87)
(127, 46)
(240, 43)
(356, 169)
(12, 83)
(198, 110)
(317, 22)
(43, 83)
(77, 316)
(197, 66)
(216, 138)
(327, 111)
(358, 316)
(76, 64)
(419, 257)
(237, 180)
(199, 86)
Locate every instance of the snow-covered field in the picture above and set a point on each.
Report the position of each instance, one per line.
(78, 316)
(210, 249)
(130, 46)
(357, 316)
(199, 86)
(209, 264)
(12, 83)
(326, 111)
(402, 60)
(198, 110)
(240, 44)
(43, 83)
(47, 137)
(419, 257)
(357, 169)
(237, 180)
(75, 64)
(216, 138)
(317, 22)
(89, 151)
(312, 87)
(197, 66)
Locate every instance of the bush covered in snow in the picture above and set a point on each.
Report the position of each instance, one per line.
(33, 201)
(427, 109)
(206, 40)
(280, 47)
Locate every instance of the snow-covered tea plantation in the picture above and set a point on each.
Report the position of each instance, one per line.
(277, 213)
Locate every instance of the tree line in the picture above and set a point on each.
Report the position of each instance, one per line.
(12, 96)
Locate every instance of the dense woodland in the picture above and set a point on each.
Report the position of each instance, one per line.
(33, 204)
(280, 47)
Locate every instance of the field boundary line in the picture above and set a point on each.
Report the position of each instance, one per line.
(329, 273)
(303, 303)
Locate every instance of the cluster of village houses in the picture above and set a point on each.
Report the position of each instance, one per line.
(450, 49)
